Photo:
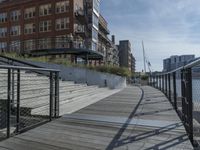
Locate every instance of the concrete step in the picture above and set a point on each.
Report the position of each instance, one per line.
(63, 96)
(83, 97)
(36, 94)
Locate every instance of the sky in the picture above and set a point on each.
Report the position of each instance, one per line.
(167, 27)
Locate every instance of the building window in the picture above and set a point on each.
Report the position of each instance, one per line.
(15, 15)
(95, 21)
(3, 17)
(45, 43)
(62, 41)
(3, 32)
(45, 26)
(29, 45)
(29, 13)
(29, 28)
(94, 35)
(3, 46)
(96, 5)
(15, 46)
(94, 46)
(45, 10)
(62, 23)
(62, 7)
(15, 31)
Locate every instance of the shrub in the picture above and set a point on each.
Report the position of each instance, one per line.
(144, 77)
(121, 71)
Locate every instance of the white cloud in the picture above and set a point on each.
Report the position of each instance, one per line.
(167, 27)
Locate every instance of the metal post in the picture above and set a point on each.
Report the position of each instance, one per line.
(163, 86)
(169, 86)
(56, 113)
(18, 101)
(13, 88)
(51, 97)
(175, 95)
(8, 103)
(160, 82)
(166, 84)
(183, 94)
(189, 109)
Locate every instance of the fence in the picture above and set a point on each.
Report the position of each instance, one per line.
(182, 88)
(27, 99)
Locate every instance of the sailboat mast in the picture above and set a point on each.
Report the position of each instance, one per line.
(144, 57)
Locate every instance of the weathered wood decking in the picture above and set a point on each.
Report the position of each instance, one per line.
(128, 120)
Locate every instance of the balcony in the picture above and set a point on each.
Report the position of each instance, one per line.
(79, 28)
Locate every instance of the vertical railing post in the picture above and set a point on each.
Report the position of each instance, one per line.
(13, 87)
(18, 102)
(56, 113)
(174, 87)
(8, 102)
(166, 85)
(51, 97)
(163, 84)
(169, 86)
(160, 88)
(183, 90)
(189, 108)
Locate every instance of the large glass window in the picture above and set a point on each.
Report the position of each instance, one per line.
(15, 46)
(15, 31)
(96, 5)
(94, 34)
(45, 26)
(3, 46)
(3, 32)
(62, 41)
(29, 28)
(3, 17)
(29, 45)
(62, 23)
(29, 13)
(15, 15)
(95, 20)
(45, 43)
(94, 46)
(45, 10)
(62, 6)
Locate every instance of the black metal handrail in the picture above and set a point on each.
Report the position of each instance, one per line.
(180, 79)
(13, 106)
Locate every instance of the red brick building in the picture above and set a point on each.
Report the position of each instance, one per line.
(27, 25)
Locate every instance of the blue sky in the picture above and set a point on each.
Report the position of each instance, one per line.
(167, 27)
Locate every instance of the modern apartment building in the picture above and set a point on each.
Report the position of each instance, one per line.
(174, 62)
(125, 54)
(106, 46)
(93, 10)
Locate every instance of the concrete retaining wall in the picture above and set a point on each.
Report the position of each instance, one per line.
(80, 75)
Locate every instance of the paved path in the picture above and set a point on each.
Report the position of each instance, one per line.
(129, 120)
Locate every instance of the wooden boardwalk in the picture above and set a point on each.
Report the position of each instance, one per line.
(129, 120)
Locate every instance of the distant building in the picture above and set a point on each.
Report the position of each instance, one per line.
(125, 54)
(133, 61)
(175, 61)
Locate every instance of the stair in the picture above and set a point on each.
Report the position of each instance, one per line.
(35, 89)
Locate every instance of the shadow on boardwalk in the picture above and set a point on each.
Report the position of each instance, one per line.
(118, 141)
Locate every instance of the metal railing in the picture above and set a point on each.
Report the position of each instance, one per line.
(182, 88)
(27, 99)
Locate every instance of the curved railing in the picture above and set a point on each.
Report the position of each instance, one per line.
(182, 87)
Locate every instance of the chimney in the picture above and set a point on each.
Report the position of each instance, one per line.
(113, 39)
